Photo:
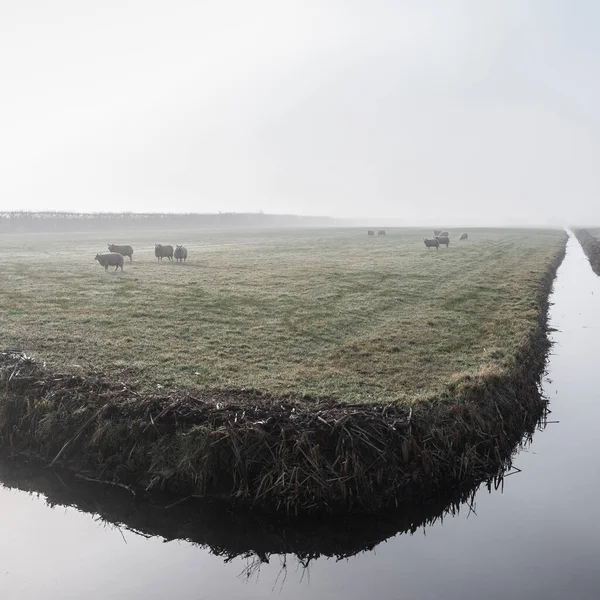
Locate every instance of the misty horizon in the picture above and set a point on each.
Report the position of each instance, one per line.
(253, 220)
(452, 114)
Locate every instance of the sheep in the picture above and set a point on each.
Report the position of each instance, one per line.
(464, 236)
(110, 259)
(180, 253)
(443, 239)
(434, 243)
(370, 232)
(124, 250)
(161, 251)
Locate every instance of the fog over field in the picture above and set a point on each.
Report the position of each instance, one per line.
(451, 113)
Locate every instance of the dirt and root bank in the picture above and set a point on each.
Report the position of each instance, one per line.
(292, 454)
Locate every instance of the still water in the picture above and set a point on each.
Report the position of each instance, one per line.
(536, 537)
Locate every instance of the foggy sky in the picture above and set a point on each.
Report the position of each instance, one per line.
(449, 111)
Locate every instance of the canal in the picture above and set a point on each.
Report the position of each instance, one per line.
(536, 536)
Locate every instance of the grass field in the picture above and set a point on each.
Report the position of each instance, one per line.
(322, 312)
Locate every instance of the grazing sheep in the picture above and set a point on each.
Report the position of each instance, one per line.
(161, 251)
(111, 259)
(124, 250)
(443, 234)
(381, 232)
(434, 243)
(180, 253)
(443, 239)
(370, 232)
(464, 236)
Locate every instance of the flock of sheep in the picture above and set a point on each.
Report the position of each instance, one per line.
(115, 255)
(442, 238)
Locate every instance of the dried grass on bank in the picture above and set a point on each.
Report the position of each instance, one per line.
(591, 247)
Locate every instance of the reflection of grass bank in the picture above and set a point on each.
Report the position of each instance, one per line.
(591, 246)
(231, 533)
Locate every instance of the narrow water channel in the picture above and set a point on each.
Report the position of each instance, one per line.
(538, 537)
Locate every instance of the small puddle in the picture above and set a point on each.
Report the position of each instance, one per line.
(538, 537)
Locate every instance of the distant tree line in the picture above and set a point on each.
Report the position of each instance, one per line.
(34, 222)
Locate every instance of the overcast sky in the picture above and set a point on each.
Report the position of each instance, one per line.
(465, 111)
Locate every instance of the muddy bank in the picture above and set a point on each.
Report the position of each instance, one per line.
(591, 247)
(284, 454)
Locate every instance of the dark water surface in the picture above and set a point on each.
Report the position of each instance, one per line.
(538, 537)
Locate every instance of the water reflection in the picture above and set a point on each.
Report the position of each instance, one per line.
(230, 533)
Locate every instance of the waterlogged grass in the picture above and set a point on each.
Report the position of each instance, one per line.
(324, 312)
